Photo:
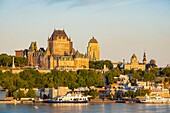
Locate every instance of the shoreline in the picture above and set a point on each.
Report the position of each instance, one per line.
(101, 101)
(91, 101)
(10, 102)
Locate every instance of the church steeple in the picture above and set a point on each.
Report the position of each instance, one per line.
(144, 58)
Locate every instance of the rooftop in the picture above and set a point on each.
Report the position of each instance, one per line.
(93, 40)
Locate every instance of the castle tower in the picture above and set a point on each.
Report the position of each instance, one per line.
(144, 58)
(93, 50)
(32, 49)
(134, 59)
(59, 44)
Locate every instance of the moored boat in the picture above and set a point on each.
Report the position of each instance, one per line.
(77, 98)
(156, 99)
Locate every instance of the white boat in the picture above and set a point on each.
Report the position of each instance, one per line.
(77, 98)
(154, 99)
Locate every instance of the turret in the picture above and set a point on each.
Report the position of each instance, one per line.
(144, 58)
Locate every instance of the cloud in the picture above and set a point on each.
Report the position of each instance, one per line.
(80, 3)
(121, 3)
(74, 3)
(124, 3)
(50, 2)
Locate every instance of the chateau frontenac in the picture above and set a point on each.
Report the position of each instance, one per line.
(60, 53)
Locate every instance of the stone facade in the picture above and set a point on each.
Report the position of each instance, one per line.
(135, 63)
(80, 63)
(31, 53)
(93, 50)
(59, 43)
(59, 54)
(66, 61)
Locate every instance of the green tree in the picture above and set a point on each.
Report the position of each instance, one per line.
(20, 61)
(5, 60)
(149, 76)
(112, 74)
(94, 93)
(100, 64)
(31, 93)
(15, 95)
(166, 71)
(108, 64)
(126, 72)
(20, 94)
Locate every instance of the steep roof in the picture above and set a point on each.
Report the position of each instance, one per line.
(33, 46)
(58, 33)
(134, 56)
(93, 40)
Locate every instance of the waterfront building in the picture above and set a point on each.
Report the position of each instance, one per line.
(162, 92)
(93, 50)
(52, 92)
(3, 94)
(134, 64)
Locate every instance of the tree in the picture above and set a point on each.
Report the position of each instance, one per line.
(20, 94)
(108, 64)
(166, 71)
(5, 60)
(126, 72)
(149, 76)
(20, 61)
(112, 74)
(15, 95)
(154, 71)
(31, 93)
(100, 64)
(94, 93)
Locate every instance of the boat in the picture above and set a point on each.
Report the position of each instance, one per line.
(129, 102)
(156, 99)
(68, 98)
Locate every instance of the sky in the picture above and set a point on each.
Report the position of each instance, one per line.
(121, 27)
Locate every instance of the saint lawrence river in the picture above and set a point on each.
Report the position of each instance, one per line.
(85, 108)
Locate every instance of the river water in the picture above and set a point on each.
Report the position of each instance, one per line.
(85, 108)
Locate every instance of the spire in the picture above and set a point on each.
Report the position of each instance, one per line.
(144, 58)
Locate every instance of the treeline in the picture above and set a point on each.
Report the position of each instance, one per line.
(33, 79)
(20, 94)
(140, 75)
(100, 64)
(6, 61)
(131, 94)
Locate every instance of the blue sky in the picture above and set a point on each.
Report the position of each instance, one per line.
(122, 27)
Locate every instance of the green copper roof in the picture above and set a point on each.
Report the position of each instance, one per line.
(93, 40)
(134, 56)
